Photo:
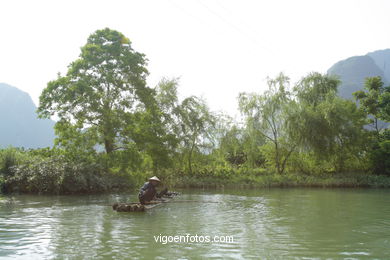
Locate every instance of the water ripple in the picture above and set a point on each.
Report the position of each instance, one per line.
(289, 224)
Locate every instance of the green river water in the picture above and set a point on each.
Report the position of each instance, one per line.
(263, 224)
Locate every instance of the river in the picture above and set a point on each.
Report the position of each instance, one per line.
(249, 224)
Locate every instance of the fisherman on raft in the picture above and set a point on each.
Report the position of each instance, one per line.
(148, 192)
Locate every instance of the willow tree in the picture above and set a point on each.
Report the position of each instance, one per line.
(101, 89)
(266, 114)
(324, 124)
(310, 117)
(196, 123)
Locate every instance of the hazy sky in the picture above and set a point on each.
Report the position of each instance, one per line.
(218, 48)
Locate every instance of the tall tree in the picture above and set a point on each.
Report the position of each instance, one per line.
(374, 101)
(266, 114)
(323, 123)
(308, 123)
(196, 123)
(169, 107)
(232, 146)
(100, 89)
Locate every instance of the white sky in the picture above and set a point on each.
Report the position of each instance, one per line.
(218, 48)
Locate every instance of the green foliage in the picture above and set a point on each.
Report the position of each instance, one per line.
(114, 131)
(51, 171)
(1, 184)
(307, 163)
(257, 178)
(380, 154)
(9, 158)
(103, 103)
(315, 88)
(324, 125)
(58, 175)
(75, 142)
(266, 115)
(196, 123)
(232, 146)
(100, 91)
(241, 147)
(374, 101)
(384, 101)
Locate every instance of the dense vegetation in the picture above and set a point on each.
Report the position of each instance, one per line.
(113, 131)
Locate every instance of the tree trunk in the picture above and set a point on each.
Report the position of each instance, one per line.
(377, 128)
(286, 158)
(108, 145)
(108, 131)
(190, 157)
(277, 159)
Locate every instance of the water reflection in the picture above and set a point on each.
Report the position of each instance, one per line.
(275, 223)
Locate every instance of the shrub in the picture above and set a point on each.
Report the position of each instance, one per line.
(379, 154)
(1, 184)
(56, 175)
(8, 158)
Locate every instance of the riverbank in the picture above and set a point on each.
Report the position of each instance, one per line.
(286, 180)
(50, 172)
(245, 182)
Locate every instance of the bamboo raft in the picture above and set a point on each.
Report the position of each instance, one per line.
(138, 207)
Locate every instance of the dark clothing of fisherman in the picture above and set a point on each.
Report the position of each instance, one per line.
(148, 191)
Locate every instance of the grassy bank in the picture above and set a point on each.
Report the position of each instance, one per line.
(50, 172)
(286, 180)
(109, 182)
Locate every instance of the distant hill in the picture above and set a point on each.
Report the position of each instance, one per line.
(382, 60)
(19, 125)
(353, 71)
